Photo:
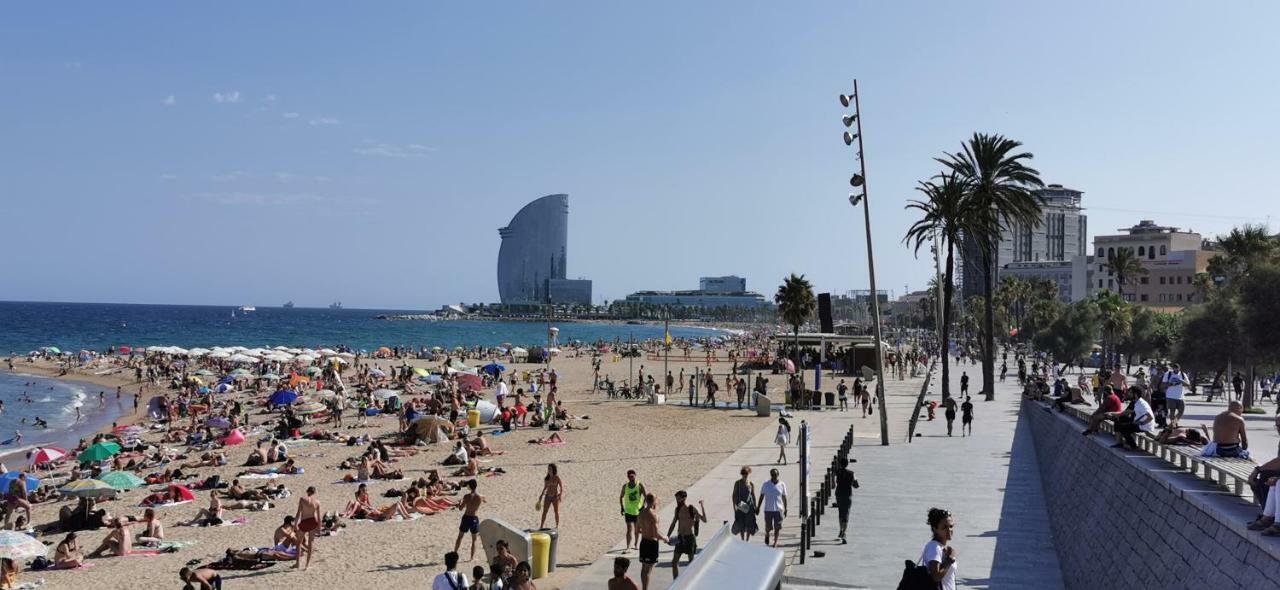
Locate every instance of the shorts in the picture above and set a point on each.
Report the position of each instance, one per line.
(648, 551)
(307, 525)
(1175, 404)
(772, 520)
(629, 517)
(685, 545)
(966, 419)
(843, 505)
(470, 524)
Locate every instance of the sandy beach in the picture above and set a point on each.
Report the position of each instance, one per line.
(669, 446)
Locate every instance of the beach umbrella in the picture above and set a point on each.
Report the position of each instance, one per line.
(53, 350)
(432, 379)
(21, 546)
(184, 493)
(124, 350)
(242, 358)
(99, 451)
(205, 373)
(494, 368)
(47, 455)
(436, 349)
(283, 397)
(469, 381)
(242, 373)
(421, 372)
(377, 372)
(383, 351)
(270, 377)
(331, 351)
(326, 393)
(203, 390)
(309, 408)
(87, 488)
(218, 422)
(385, 393)
(234, 437)
(223, 387)
(7, 479)
(219, 354)
(305, 358)
(313, 371)
(122, 480)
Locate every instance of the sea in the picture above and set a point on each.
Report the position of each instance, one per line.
(73, 327)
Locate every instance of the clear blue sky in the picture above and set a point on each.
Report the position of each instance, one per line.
(256, 152)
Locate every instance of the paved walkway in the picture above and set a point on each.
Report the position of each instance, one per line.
(989, 481)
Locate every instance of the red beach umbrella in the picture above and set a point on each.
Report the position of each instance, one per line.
(184, 492)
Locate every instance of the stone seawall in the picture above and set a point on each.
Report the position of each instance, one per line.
(1129, 520)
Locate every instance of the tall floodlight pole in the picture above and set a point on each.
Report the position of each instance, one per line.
(859, 181)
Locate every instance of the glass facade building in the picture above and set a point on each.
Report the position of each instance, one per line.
(534, 250)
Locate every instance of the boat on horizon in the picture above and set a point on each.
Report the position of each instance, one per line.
(335, 305)
(247, 308)
(288, 305)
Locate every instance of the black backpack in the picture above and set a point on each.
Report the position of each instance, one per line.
(916, 577)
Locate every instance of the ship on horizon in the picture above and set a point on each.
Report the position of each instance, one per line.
(288, 305)
(335, 305)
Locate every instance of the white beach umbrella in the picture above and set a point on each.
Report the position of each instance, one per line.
(304, 358)
(219, 354)
(242, 358)
(328, 351)
(385, 393)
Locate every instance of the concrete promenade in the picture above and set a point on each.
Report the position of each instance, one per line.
(990, 482)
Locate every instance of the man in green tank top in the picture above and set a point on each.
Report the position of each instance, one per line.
(629, 503)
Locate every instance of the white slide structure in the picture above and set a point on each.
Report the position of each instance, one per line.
(728, 563)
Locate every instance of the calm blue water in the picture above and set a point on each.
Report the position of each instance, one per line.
(27, 397)
(95, 326)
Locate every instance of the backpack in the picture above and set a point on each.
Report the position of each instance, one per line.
(916, 577)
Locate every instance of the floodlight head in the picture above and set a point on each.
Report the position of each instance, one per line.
(856, 180)
(849, 137)
(849, 119)
(854, 199)
(845, 99)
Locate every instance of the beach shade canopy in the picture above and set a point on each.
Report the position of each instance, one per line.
(47, 455)
(309, 408)
(494, 368)
(100, 451)
(429, 428)
(469, 381)
(21, 546)
(87, 488)
(218, 422)
(487, 410)
(7, 479)
(283, 397)
(184, 493)
(122, 480)
(234, 437)
(385, 393)
(517, 351)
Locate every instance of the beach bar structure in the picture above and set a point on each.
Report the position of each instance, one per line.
(852, 352)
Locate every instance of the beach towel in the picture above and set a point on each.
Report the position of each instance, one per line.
(260, 476)
(85, 565)
(167, 504)
(235, 566)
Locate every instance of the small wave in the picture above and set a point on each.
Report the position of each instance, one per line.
(45, 399)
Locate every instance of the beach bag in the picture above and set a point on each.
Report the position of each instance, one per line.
(916, 577)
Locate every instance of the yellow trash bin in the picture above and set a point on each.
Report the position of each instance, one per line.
(541, 553)
(473, 418)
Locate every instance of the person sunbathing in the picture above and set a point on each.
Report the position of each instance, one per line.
(553, 438)
(480, 447)
(119, 541)
(238, 492)
(471, 469)
(414, 499)
(67, 554)
(211, 516)
(207, 460)
(1182, 436)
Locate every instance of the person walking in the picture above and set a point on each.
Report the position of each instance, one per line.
(647, 523)
(843, 391)
(552, 494)
(938, 556)
(966, 418)
(451, 578)
(744, 506)
(949, 410)
(630, 501)
(686, 519)
(964, 383)
(782, 439)
(1174, 381)
(470, 505)
(845, 482)
(773, 500)
(308, 519)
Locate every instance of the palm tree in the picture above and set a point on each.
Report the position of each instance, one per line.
(1117, 318)
(943, 213)
(1125, 265)
(1000, 194)
(1242, 249)
(795, 305)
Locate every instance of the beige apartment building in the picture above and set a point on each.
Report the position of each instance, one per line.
(1172, 258)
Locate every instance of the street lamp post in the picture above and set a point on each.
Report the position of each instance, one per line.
(859, 180)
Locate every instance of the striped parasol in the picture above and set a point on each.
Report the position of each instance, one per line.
(21, 546)
(47, 455)
(87, 488)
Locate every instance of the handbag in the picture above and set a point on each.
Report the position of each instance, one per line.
(916, 576)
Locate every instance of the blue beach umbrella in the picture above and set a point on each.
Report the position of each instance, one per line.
(283, 397)
(33, 482)
(493, 368)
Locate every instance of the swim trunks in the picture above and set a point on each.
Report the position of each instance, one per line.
(648, 551)
(470, 524)
(308, 524)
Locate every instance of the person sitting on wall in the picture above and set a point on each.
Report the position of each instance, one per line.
(1109, 410)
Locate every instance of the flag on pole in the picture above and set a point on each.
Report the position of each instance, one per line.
(667, 336)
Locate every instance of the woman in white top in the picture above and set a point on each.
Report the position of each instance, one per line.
(782, 439)
(939, 557)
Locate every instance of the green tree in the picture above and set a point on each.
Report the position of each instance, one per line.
(1000, 196)
(1212, 337)
(795, 303)
(943, 213)
(1242, 249)
(1126, 266)
(1070, 336)
(1115, 315)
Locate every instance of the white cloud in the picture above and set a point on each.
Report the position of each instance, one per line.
(279, 199)
(232, 96)
(291, 115)
(72, 64)
(271, 98)
(232, 176)
(169, 101)
(391, 150)
(168, 177)
(324, 121)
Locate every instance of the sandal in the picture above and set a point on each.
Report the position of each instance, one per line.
(1261, 523)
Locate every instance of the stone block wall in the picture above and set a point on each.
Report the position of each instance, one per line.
(1127, 522)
